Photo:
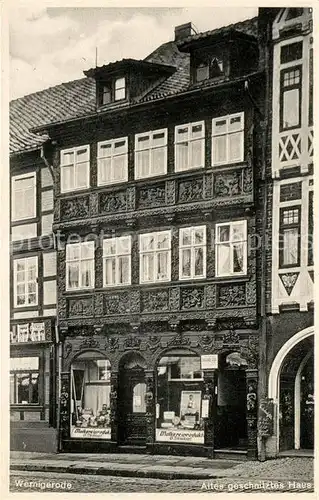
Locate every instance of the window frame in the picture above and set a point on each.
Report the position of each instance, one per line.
(232, 242)
(183, 379)
(111, 85)
(15, 372)
(282, 227)
(283, 89)
(228, 133)
(155, 252)
(192, 248)
(117, 256)
(15, 178)
(26, 282)
(74, 150)
(151, 134)
(112, 142)
(189, 126)
(79, 261)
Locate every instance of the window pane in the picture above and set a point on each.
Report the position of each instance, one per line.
(32, 299)
(186, 238)
(105, 173)
(67, 180)
(158, 161)
(87, 250)
(106, 95)
(73, 275)
(12, 400)
(235, 123)
(182, 134)
(147, 242)
(224, 233)
(159, 139)
(162, 265)
(124, 270)
(119, 164)
(238, 232)
(224, 259)
(143, 162)
(290, 246)
(291, 108)
(119, 94)
(105, 149)
(202, 73)
(238, 257)
(143, 142)
(186, 262)
(119, 83)
(196, 131)
(199, 261)
(68, 158)
(235, 150)
(199, 236)
(86, 273)
(148, 267)
(219, 149)
(196, 153)
(82, 155)
(163, 240)
(182, 156)
(23, 385)
(120, 147)
(34, 388)
(220, 126)
(81, 175)
(110, 271)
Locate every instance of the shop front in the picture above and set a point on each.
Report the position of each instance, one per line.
(177, 401)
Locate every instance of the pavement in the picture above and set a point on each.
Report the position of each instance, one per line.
(164, 467)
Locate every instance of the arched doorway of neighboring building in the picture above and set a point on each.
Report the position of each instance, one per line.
(291, 385)
(131, 400)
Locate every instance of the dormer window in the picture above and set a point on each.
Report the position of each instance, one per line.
(113, 91)
(212, 68)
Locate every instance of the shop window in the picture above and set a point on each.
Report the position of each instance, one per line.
(75, 169)
(155, 257)
(290, 98)
(231, 248)
(24, 196)
(189, 146)
(112, 161)
(192, 252)
(228, 139)
(289, 248)
(80, 265)
(117, 261)
(179, 399)
(25, 280)
(90, 404)
(151, 154)
(290, 52)
(24, 381)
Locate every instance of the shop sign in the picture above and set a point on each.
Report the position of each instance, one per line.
(266, 417)
(90, 433)
(180, 436)
(28, 332)
(209, 361)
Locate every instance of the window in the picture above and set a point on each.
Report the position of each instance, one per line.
(290, 98)
(25, 282)
(151, 154)
(192, 252)
(189, 146)
(228, 139)
(117, 261)
(155, 257)
(80, 265)
(112, 161)
(90, 404)
(112, 91)
(75, 168)
(24, 196)
(24, 381)
(209, 69)
(179, 398)
(289, 237)
(231, 248)
(290, 52)
(119, 89)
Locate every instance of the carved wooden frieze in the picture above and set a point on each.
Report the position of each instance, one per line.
(190, 190)
(154, 300)
(289, 280)
(89, 343)
(170, 192)
(192, 298)
(116, 303)
(113, 202)
(231, 295)
(251, 293)
(234, 183)
(79, 307)
(75, 208)
(132, 342)
(152, 196)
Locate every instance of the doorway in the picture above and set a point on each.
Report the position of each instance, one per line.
(131, 401)
(230, 420)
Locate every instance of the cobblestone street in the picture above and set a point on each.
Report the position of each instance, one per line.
(282, 475)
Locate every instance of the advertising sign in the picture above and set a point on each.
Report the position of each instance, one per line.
(180, 436)
(90, 433)
(209, 361)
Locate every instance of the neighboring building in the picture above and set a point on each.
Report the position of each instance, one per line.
(290, 331)
(33, 288)
(155, 164)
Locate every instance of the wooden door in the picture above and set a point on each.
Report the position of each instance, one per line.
(132, 408)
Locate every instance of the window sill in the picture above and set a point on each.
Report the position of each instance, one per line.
(230, 279)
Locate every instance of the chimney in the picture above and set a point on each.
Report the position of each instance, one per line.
(183, 31)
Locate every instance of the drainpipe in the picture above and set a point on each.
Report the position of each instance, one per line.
(47, 164)
(264, 242)
(59, 365)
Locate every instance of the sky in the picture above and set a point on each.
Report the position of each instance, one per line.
(52, 45)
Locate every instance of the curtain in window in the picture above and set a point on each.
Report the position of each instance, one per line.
(162, 265)
(186, 262)
(290, 246)
(224, 259)
(291, 108)
(110, 270)
(199, 261)
(95, 396)
(182, 155)
(238, 257)
(73, 275)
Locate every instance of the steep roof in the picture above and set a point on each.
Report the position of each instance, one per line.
(77, 98)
